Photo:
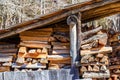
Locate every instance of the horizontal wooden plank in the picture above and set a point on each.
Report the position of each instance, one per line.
(61, 51)
(67, 61)
(35, 34)
(114, 67)
(6, 58)
(49, 29)
(34, 45)
(28, 38)
(96, 51)
(57, 47)
(8, 50)
(39, 42)
(96, 75)
(32, 55)
(60, 44)
(8, 54)
(7, 46)
(58, 57)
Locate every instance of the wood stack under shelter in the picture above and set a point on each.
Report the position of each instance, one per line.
(33, 49)
(8, 53)
(94, 54)
(44, 48)
(60, 54)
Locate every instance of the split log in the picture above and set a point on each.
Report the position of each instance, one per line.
(53, 66)
(35, 45)
(34, 61)
(83, 69)
(32, 51)
(96, 68)
(96, 51)
(91, 32)
(67, 51)
(104, 60)
(85, 58)
(97, 59)
(44, 50)
(99, 55)
(90, 68)
(22, 50)
(117, 71)
(35, 55)
(90, 45)
(29, 60)
(96, 37)
(43, 60)
(20, 60)
(96, 75)
(103, 68)
(91, 59)
(39, 50)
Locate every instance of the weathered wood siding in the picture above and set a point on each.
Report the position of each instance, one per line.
(63, 74)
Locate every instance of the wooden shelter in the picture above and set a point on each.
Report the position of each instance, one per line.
(72, 17)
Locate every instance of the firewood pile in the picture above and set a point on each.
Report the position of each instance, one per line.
(60, 55)
(7, 55)
(94, 54)
(114, 67)
(33, 49)
(46, 48)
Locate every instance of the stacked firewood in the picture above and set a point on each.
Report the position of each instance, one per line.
(7, 55)
(33, 49)
(94, 54)
(60, 54)
(114, 40)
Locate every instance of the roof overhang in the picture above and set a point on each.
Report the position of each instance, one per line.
(90, 10)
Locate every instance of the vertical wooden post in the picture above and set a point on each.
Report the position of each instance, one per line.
(75, 26)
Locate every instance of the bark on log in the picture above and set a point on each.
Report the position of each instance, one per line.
(85, 34)
(96, 37)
